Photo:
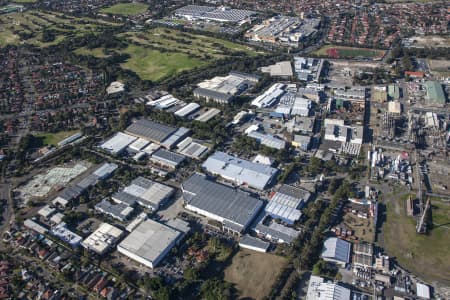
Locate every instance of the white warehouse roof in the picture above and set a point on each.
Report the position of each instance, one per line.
(102, 239)
(118, 143)
(149, 242)
(335, 249)
(318, 289)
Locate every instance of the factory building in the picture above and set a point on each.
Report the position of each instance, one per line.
(150, 242)
(319, 289)
(167, 159)
(337, 251)
(234, 208)
(103, 239)
(434, 93)
(220, 14)
(240, 171)
(269, 97)
(223, 89)
(286, 203)
(145, 192)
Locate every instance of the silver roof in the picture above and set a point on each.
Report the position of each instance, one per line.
(150, 130)
(231, 204)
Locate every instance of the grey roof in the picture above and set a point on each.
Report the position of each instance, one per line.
(226, 202)
(248, 240)
(210, 94)
(286, 203)
(71, 192)
(240, 171)
(125, 198)
(268, 140)
(294, 192)
(149, 241)
(175, 137)
(336, 249)
(88, 181)
(119, 211)
(275, 231)
(168, 156)
(150, 130)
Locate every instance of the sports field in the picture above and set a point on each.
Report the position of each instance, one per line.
(27, 27)
(54, 138)
(125, 9)
(333, 51)
(254, 273)
(424, 255)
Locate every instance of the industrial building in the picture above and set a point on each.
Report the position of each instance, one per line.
(167, 159)
(301, 141)
(103, 239)
(119, 211)
(304, 125)
(335, 130)
(222, 89)
(208, 115)
(151, 131)
(434, 93)
(337, 251)
(234, 208)
(150, 242)
(187, 110)
(281, 69)
(240, 171)
(217, 14)
(265, 139)
(283, 30)
(294, 104)
(60, 231)
(192, 149)
(270, 96)
(319, 289)
(145, 192)
(308, 69)
(267, 228)
(286, 203)
(255, 244)
(118, 143)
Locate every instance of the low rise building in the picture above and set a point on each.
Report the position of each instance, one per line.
(337, 251)
(103, 239)
(320, 289)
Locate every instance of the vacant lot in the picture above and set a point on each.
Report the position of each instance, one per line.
(439, 67)
(254, 273)
(125, 9)
(27, 27)
(349, 52)
(363, 228)
(55, 138)
(425, 255)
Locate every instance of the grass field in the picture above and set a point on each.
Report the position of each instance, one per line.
(96, 52)
(254, 273)
(350, 52)
(160, 53)
(125, 9)
(33, 23)
(54, 138)
(425, 255)
(24, 1)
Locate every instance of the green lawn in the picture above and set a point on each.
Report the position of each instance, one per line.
(155, 65)
(96, 52)
(54, 138)
(34, 22)
(125, 9)
(24, 1)
(426, 255)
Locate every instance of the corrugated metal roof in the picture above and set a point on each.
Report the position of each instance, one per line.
(150, 130)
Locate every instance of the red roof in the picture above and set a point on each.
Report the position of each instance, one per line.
(415, 74)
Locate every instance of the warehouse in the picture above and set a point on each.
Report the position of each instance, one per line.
(210, 13)
(139, 144)
(240, 171)
(149, 243)
(119, 211)
(268, 229)
(336, 250)
(187, 110)
(434, 93)
(222, 89)
(269, 97)
(319, 289)
(208, 115)
(150, 130)
(118, 143)
(167, 159)
(255, 244)
(192, 149)
(60, 231)
(286, 203)
(234, 208)
(145, 192)
(103, 239)
(267, 140)
(177, 136)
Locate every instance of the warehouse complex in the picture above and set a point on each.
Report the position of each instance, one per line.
(145, 192)
(223, 89)
(286, 203)
(234, 208)
(150, 242)
(103, 239)
(210, 13)
(337, 251)
(320, 289)
(240, 171)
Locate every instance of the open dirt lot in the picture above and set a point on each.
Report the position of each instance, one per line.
(254, 273)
